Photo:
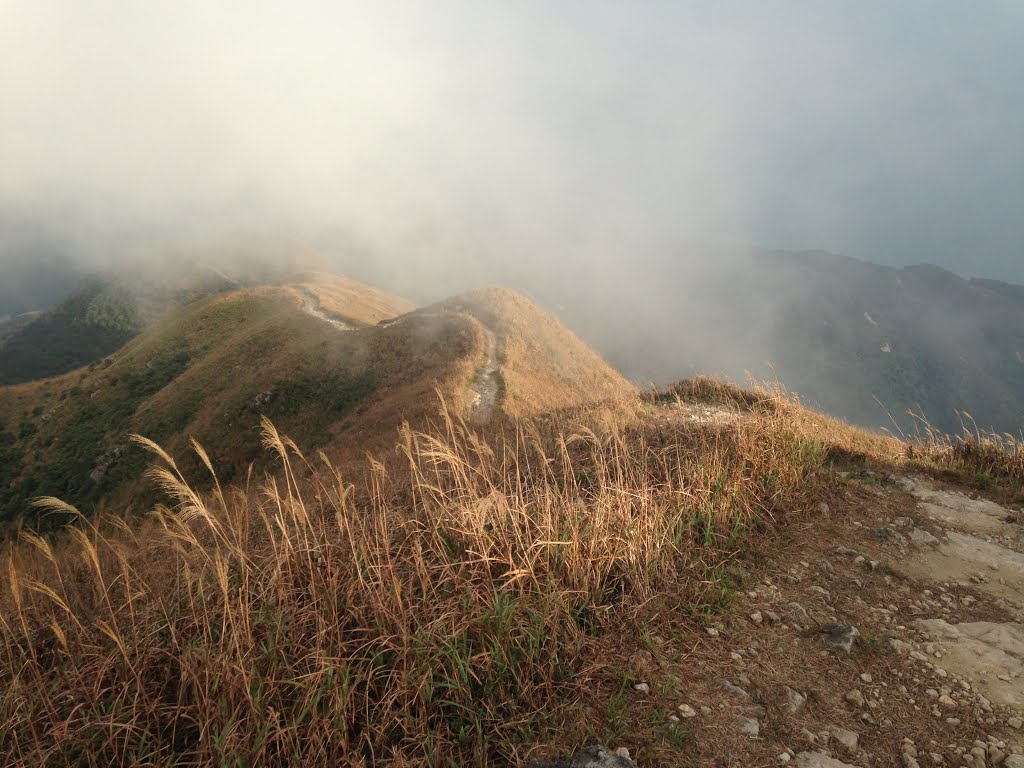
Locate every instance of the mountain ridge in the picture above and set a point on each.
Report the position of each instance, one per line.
(342, 364)
(358, 533)
(896, 348)
(868, 343)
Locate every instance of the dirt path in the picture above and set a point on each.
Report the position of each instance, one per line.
(486, 388)
(884, 630)
(311, 306)
(978, 544)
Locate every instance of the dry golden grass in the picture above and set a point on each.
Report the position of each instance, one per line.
(351, 300)
(543, 365)
(235, 348)
(427, 607)
(427, 613)
(210, 369)
(981, 458)
(841, 440)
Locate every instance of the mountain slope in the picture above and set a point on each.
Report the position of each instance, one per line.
(483, 593)
(110, 307)
(209, 370)
(542, 365)
(678, 582)
(99, 317)
(306, 355)
(859, 340)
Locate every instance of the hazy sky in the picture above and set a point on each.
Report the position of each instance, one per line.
(541, 131)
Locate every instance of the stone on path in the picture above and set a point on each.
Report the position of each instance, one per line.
(848, 740)
(748, 726)
(734, 690)
(591, 757)
(819, 760)
(796, 702)
(840, 636)
(921, 537)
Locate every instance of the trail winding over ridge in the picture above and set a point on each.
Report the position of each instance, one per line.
(311, 306)
(487, 384)
(485, 390)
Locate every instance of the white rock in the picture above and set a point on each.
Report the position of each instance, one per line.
(847, 739)
(818, 760)
(687, 711)
(747, 726)
(920, 536)
(796, 702)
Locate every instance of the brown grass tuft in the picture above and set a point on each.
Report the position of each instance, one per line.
(427, 609)
(427, 613)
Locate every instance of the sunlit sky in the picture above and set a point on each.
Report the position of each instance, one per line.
(887, 131)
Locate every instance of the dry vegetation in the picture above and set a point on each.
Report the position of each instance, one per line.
(210, 371)
(436, 607)
(544, 366)
(427, 614)
(349, 299)
(982, 458)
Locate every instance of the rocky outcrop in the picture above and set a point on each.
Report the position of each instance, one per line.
(591, 757)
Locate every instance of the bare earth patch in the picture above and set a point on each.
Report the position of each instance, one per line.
(934, 677)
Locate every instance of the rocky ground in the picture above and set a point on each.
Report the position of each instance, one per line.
(886, 631)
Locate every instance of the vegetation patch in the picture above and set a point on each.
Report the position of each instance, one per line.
(330, 393)
(81, 451)
(427, 611)
(96, 320)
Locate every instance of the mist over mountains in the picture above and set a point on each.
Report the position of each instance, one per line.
(594, 156)
(412, 383)
(866, 342)
(896, 349)
(38, 268)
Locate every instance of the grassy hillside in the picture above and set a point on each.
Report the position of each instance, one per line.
(113, 306)
(543, 366)
(348, 299)
(477, 599)
(466, 594)
(209, 371)
(98, 318)
(415, 619)
(317, 356)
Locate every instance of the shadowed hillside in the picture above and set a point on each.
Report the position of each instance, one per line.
(864, 342)
(110, 307)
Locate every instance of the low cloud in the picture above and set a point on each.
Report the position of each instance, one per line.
(560, 148)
